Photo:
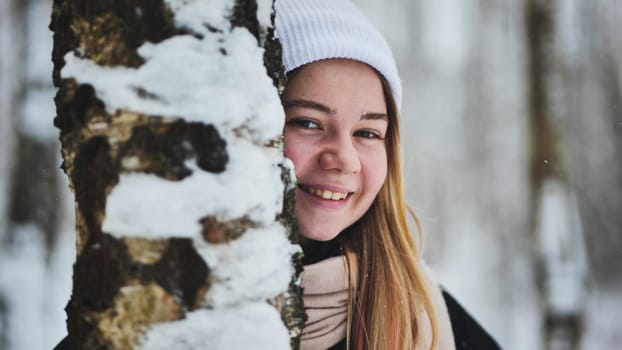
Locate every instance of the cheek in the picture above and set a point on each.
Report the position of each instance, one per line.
(289, 146)
(296, 152)
(376, 170)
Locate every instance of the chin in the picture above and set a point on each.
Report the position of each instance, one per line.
(318, 234)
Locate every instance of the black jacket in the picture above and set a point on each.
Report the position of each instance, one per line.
(468, 334)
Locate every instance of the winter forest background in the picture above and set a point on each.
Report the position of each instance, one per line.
(513, 142)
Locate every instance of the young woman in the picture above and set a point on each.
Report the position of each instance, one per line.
(365, 286)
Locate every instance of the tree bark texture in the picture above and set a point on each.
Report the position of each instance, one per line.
(126, 282)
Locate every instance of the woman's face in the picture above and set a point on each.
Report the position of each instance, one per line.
(336, 122)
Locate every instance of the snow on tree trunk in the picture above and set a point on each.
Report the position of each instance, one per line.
(170, 130)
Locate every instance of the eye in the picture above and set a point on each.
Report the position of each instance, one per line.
(303, 123)
(368, 134)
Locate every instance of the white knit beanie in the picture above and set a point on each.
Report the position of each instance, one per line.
(312, 30)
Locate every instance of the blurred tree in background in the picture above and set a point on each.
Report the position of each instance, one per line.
(36, 233)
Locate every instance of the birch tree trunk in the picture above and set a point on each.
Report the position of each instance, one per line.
(170, 131)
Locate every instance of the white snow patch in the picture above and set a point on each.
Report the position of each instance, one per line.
(289, 165)
(197, 15)
(230, 92)
(146, 205)
(256, 266)
(264, 12)
(249, 326)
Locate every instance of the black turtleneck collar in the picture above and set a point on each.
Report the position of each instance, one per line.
(316, 251)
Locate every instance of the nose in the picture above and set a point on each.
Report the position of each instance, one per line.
(340, 154)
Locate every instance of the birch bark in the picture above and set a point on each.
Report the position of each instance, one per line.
(170, 127)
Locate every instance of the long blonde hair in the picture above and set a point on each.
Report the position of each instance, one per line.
(390, 298)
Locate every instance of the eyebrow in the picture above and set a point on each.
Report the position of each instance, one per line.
(325, 109)
(374, 116)
(309, 104)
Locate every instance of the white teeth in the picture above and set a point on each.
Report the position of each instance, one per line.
(326, 194)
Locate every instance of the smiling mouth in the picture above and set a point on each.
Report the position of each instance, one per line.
(325, 194)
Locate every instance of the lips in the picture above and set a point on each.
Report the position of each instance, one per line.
(325, 193)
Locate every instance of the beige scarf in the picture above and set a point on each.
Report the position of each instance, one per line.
(325, 296)
(326, 302)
